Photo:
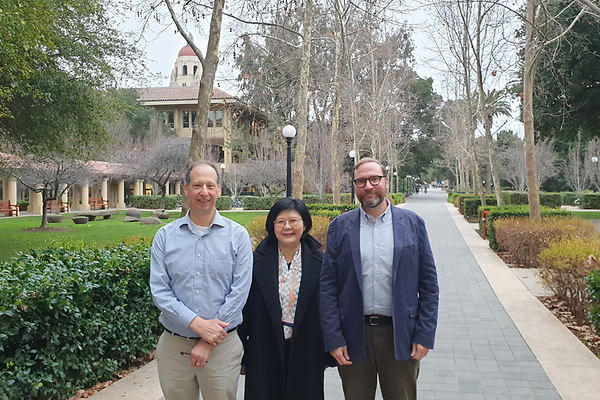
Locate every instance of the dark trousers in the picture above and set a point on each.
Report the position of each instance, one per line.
(398, 379)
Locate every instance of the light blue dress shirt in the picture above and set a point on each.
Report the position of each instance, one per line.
(200, 274)
(377, 257)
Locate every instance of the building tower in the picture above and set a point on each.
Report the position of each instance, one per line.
(187, 70)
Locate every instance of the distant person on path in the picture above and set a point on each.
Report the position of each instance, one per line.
(284, 357)
(379, 292)
(200, 276)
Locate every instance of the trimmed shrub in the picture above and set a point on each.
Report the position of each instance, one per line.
(589, 201)
(153, 202)
(344, 198)
(223, 203)
(525, 238)
(570, 198)
(471, 206)
(320, 225)
(71, 315)
(23, 204)
(594, 290)
(511, 211)
(258, 202)
(564, 268)
(398, 198)
(552, 200)
(512, 198)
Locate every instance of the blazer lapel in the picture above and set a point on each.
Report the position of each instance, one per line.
(266, 277)
(353, 228)
(309, 281)
(399, 232)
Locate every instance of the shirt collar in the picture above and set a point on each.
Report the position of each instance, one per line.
(217, 220)
(382, 216)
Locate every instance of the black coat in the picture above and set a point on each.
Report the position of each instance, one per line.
(262, 330)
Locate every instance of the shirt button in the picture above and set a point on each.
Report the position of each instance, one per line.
(197, 273)
(196, 310)
(198, 255)
(197, 291)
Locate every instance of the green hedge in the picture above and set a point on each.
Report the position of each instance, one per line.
(153, 202)
(23, 204)
(398, 197)
(589, 201)
(471, 204)
(570, 198)
(71, 315)
(594, 289)
(512, 211)
(512, 198)
(330, 210)
(258, 202)
(223, 203)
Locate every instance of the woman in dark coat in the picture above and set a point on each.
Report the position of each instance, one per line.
(284, 358)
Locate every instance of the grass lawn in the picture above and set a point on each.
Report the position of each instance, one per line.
(587, 214)
(13, 237)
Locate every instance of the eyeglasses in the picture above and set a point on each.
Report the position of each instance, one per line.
(374, 180)
(280, 223)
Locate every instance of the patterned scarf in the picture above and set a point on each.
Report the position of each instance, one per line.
(289, 285)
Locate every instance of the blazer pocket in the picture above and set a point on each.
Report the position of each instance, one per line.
(413, 312)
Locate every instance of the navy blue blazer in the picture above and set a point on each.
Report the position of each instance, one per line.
(415, 292)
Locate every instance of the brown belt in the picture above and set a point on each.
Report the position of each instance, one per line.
(378, 320)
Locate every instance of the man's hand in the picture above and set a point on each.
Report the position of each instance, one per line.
(418, 351)
(210, 330)
(200, 354)
(341, 355)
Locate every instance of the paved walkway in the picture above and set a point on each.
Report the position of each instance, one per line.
(495, 340)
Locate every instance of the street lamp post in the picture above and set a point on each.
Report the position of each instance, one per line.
(595, 161)
(352, 154)
(395, 182)
(223, 174)
(289, 132)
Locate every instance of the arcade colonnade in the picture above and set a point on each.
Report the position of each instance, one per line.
(78, 196)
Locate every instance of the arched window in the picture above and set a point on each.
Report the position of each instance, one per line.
(195, 69)
(185, 70)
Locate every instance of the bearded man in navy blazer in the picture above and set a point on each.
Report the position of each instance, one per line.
(379, 292)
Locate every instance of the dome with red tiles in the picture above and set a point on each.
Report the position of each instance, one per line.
(187, 51)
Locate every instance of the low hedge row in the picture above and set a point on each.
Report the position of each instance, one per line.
(511, 211)
(470, 205)
(594, 290)
(398, 198)
(153, 202)
(71, 315)
(258, 202)
(589, 201)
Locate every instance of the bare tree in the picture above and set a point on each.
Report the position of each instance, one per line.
(162, 163)
(267, 176)
(590, 163)
(235, 180)
(575, 175)
(51, 175)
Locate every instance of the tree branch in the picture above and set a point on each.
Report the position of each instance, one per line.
(187, 38)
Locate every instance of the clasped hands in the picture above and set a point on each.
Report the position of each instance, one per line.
(212, 332)
(341, 354)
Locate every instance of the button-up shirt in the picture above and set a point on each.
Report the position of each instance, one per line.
(376, 256)
(206, 274)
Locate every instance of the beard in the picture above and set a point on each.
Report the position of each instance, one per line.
(372, 202)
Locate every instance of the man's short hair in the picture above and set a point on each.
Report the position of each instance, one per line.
(188, 174)
(368, 160)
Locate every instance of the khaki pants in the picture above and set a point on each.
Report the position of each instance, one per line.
(398, 379)
(218, 380)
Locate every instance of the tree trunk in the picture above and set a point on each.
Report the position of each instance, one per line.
(335, 159)
(303, 104)
(535, 211)
(207, 80)
(491, 155)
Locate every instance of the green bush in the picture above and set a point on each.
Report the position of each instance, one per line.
(512, 198)
(471, 205)
(153, 202)
(570, 198)
(71, 315)
(398, 197)
(511, 211)
(552, 200)
(589, 201)
(594, 290)
(223, 203)
(565, 267)
(344, 198)
(258, 202)
(23, 204)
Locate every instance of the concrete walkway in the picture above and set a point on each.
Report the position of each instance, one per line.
(495, 340)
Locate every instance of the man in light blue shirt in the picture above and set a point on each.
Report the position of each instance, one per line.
(200, 276)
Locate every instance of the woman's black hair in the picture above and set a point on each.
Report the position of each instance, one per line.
(289, 203)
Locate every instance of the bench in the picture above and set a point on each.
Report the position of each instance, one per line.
(52, 205)
(98, 203)
(484, 219)
(8, 209)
